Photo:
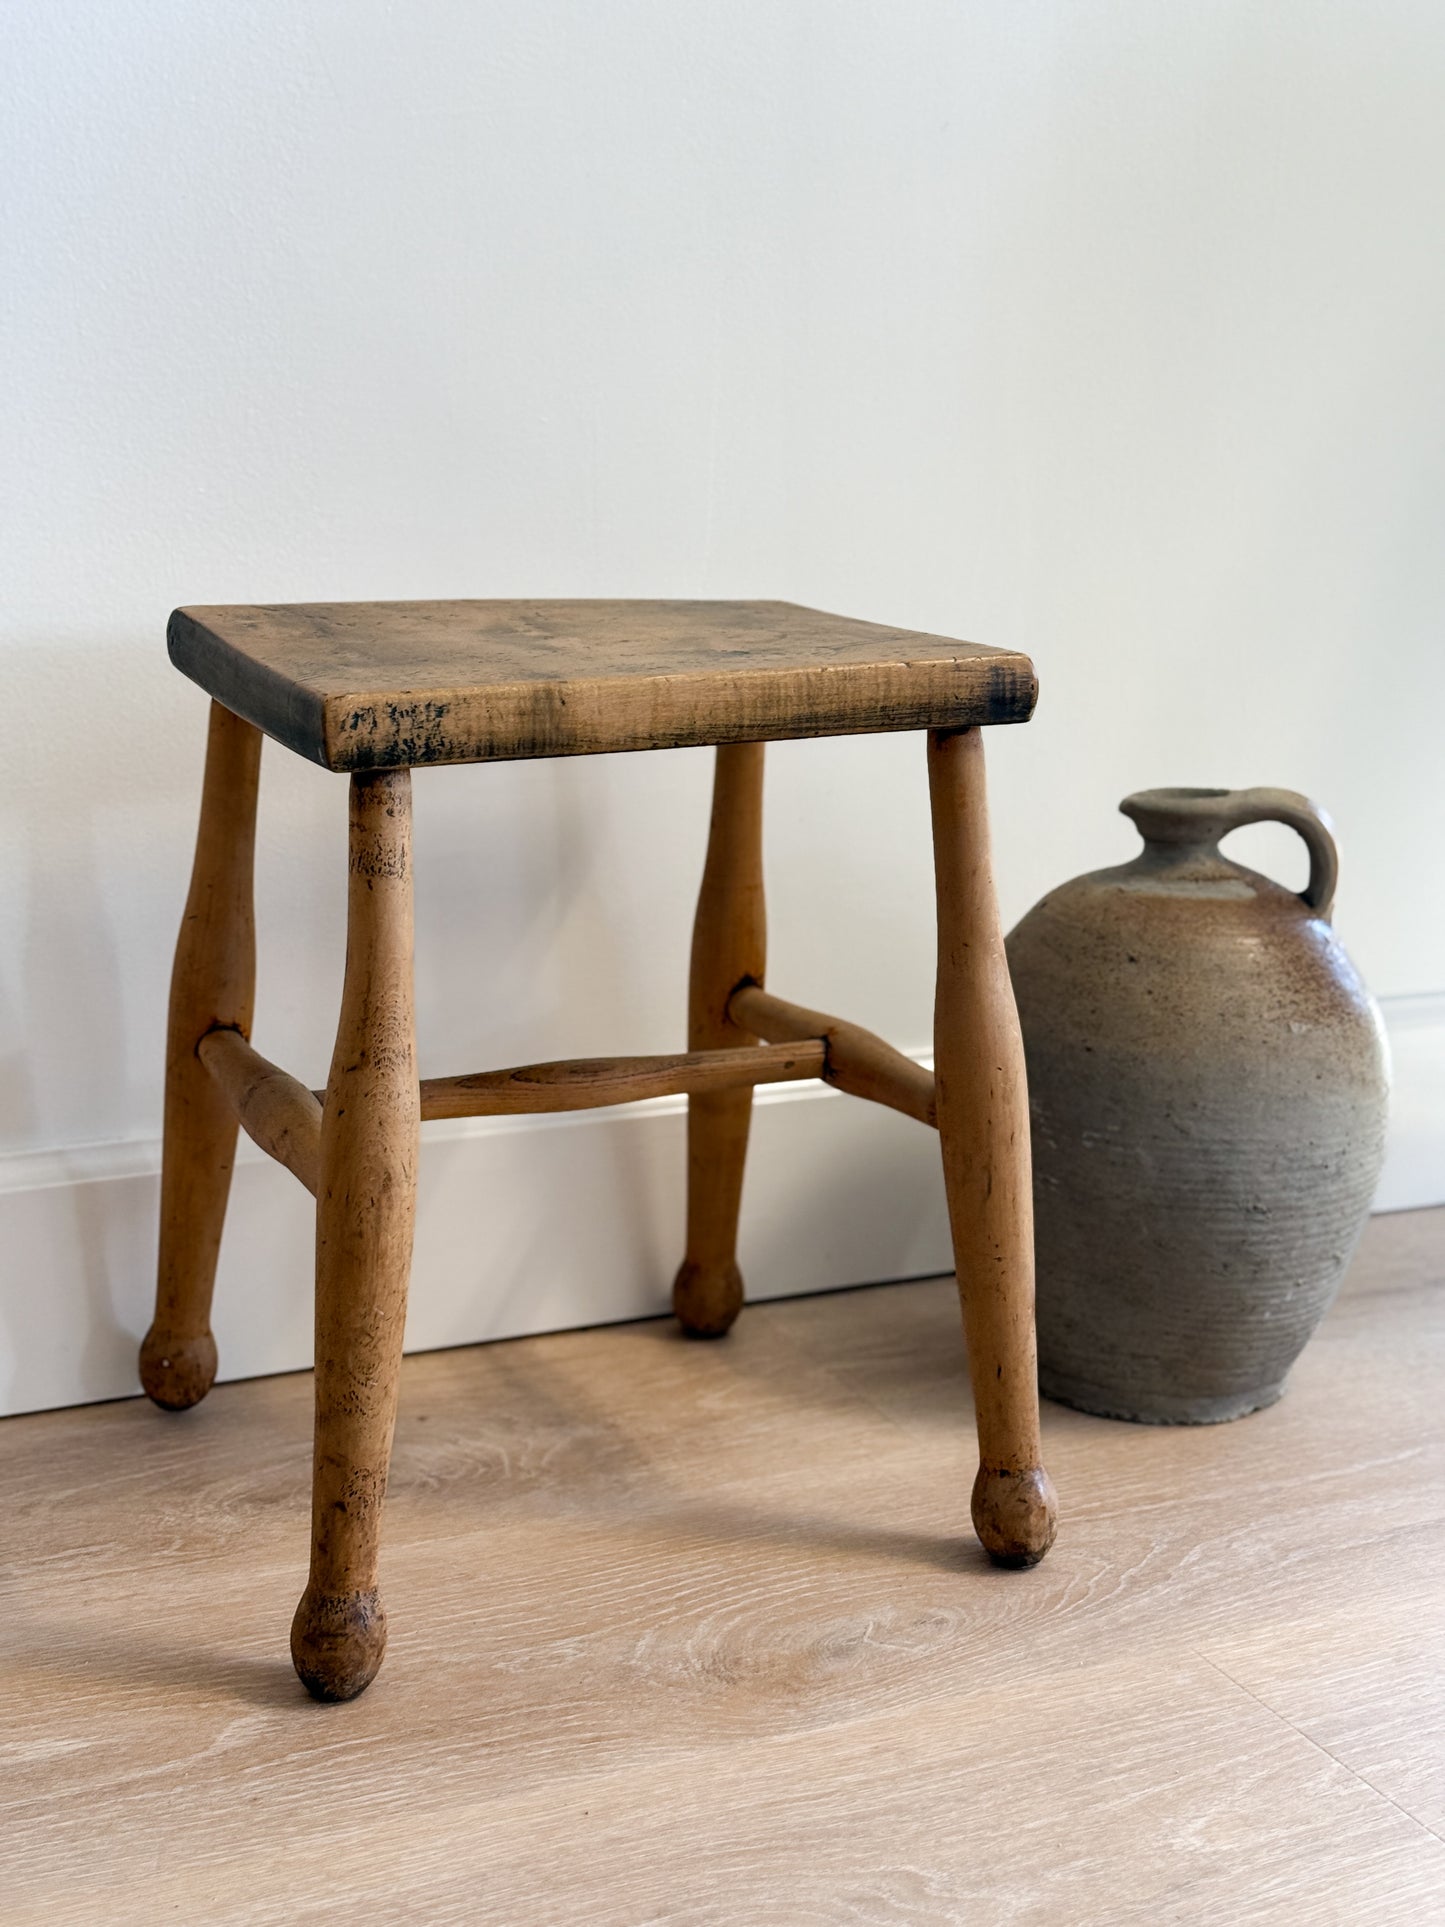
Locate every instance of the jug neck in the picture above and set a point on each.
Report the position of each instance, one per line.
(1181, 826)
(1181, 830)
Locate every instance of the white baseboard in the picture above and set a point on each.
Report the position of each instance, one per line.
(524, 1225)
(1414, 1173)
(535, 1224)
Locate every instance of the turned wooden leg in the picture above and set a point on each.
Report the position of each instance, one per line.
(213, 984)
(365, 1210)
(983, 1125)
(729, 943)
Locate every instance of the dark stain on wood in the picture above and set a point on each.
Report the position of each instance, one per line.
(356, 686)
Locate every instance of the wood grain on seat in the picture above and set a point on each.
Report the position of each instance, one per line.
(372, 685)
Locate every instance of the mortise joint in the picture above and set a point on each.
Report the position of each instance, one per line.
(274, 1109)
(855, 1060)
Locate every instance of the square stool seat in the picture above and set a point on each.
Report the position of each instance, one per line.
(375, 689)
(379, 685)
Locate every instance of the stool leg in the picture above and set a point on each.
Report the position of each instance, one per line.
(213, 985)
(365, 1210)
(983, 1125)
(729, 944)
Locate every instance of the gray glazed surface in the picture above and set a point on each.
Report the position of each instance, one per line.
(1208, 1082)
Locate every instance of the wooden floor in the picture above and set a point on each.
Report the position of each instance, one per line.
(697, 1634)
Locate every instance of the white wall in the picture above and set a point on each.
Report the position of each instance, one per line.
(1111, 331)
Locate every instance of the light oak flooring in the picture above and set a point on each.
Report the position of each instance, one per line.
(697, 1634)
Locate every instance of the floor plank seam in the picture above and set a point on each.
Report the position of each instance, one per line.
(1320, 1747)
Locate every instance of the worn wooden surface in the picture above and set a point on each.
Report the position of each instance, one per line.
(729, 947)
(857, 1061)
(274, 1108)
(982, 1104)
(365, 1217)
(284, 1118)
(364, 685)
(586, 1083)
(213, 982)
(699, 1635)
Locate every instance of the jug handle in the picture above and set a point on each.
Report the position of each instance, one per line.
(1311, 822)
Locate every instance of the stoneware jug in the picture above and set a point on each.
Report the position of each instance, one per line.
(1207, 1081)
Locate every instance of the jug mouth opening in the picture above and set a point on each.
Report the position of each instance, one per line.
(1179, 815)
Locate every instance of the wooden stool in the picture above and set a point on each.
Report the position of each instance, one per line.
(375, 689)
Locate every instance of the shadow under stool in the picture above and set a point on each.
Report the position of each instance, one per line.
(377, 689)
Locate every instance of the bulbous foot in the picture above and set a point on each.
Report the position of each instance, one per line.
(707, 1299)
(1015, 1515)
(177, 1372)
(337, 1642)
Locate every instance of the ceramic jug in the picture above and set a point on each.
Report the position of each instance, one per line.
(1208, 1080)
